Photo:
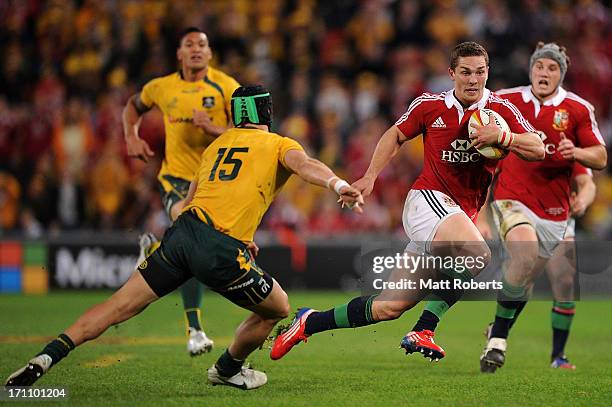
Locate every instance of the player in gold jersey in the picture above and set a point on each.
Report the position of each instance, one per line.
(195, 103)
(240, 174)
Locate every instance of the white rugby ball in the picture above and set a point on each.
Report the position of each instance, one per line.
(481, 117)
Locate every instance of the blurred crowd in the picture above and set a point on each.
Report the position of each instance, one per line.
(340, 71)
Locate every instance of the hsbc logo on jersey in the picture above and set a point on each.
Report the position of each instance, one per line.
(550, 148)
(460, 153)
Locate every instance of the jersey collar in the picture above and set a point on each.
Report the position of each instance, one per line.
(451, 100)
(179, 73)
(555, 101)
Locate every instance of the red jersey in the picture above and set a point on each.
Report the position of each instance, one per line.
(544, 186)
(450, 166)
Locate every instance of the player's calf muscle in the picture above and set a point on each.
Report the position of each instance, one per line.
(100, 317)
(128, 301)
(92, 323)
(389, 310)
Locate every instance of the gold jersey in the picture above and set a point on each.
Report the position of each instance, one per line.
(240, 174)
(177, 99)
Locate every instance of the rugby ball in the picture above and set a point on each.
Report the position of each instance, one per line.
(481, 117)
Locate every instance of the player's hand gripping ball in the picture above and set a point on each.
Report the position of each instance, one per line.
(481, 117)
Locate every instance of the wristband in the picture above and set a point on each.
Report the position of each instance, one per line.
(339, 184)
(505, 139)
(328, 183)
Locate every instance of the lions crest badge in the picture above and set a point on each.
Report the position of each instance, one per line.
(561, 120)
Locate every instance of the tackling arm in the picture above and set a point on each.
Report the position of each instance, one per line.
(315, 172)
(386, 149)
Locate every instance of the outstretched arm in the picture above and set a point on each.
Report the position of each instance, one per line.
(315, 172)
(132, 117)
(386, 149)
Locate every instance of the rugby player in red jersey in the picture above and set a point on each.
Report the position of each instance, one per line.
(561, 268)
(443, 203)
(531, 201)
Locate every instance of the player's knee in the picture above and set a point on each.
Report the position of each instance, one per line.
(525, 263)
(280, 310)
(284, 308)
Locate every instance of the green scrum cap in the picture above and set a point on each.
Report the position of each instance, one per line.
(251, 104)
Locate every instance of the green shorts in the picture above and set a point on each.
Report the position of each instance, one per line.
(176, 191)
(192, 248)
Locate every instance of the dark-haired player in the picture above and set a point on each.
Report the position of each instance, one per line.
(240, 174)
(443, 202)
(531, 201)
(195, 103)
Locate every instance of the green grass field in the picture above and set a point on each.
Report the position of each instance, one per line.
(144, 361)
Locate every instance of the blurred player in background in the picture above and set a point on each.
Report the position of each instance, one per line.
(195, 103)
(240, 174)
(442, 203)
(561, 269)
(531, 201)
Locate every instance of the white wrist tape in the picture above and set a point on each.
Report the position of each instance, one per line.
(329, 181)
(339, 184)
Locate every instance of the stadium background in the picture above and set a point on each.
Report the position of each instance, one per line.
(340, 73)
(72, 204)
